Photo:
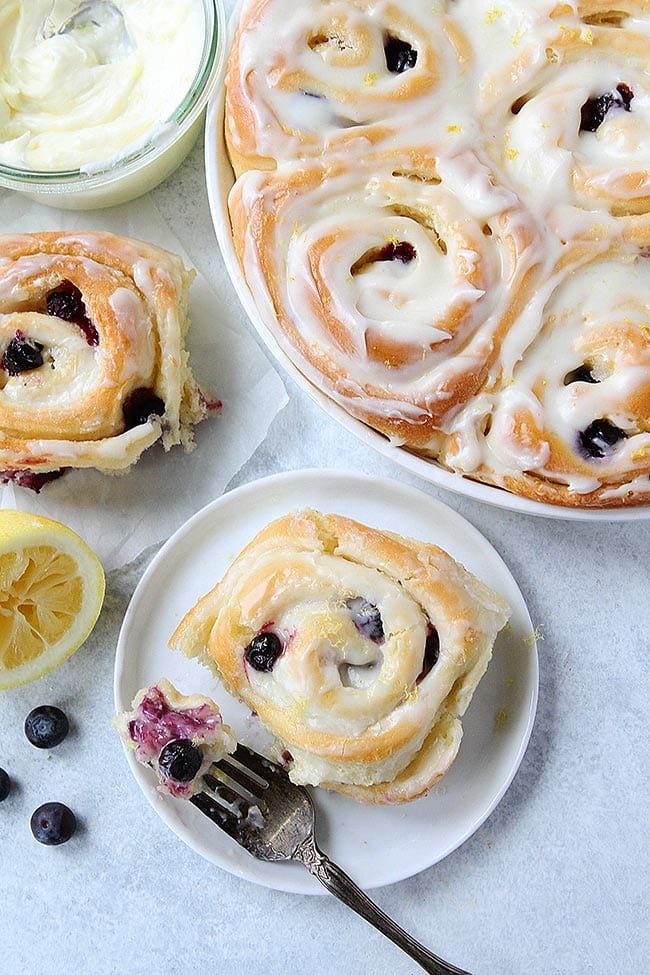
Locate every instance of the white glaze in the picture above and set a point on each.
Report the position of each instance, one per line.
(544, 151)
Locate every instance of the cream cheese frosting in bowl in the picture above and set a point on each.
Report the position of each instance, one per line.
(100, 104)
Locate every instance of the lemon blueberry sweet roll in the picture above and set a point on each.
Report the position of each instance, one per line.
(359, 651)
(93, 365)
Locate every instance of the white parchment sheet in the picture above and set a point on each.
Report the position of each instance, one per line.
(119, 516)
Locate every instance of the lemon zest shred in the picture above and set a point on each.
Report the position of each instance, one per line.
(493, 14)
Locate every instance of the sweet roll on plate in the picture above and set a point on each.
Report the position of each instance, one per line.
(359, 651)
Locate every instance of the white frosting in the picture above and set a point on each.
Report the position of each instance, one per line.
(526, 262)
(109, 453)
(546, 154)
(92, 94)
(71, 367)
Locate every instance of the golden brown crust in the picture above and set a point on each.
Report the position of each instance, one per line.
(434, 758)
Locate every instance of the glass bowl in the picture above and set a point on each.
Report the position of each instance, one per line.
(117, 180)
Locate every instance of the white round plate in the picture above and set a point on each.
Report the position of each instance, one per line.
(377, 845)
(220, 179)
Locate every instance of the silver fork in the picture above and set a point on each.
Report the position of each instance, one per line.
(255, 802)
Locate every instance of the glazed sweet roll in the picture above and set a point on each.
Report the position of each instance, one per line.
(572, 418)
(358, 649)
(387, 284)
(576, 110)
(93, 368)
(305, 76)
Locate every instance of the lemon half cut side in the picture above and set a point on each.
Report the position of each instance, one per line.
(51, 593)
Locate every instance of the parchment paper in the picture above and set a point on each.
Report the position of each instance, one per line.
(119, 516)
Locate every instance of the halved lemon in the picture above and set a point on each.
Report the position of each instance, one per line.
(51, 593)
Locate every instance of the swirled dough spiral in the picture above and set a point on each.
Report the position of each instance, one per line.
(337, 74)
(94, 368)
(391, 289)
(576, 111)
(575, 409)
(358, 649)
(425, 241)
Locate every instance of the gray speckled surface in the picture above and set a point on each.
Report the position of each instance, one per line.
(554, 883)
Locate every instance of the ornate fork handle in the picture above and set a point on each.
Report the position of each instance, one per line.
(338, 883)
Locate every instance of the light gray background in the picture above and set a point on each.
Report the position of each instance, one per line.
(555, 883)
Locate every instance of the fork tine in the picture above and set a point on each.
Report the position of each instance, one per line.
(224, 793)
(219, 815)
(244, 776)
(262, 767)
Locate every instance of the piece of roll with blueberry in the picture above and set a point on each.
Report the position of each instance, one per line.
(178, 735)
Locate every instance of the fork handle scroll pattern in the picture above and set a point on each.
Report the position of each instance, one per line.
(337, 882)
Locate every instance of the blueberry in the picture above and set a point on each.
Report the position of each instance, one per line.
(594, 110)
(400, 56)
(402, 251)
(22, 355)
(66, 302)
(263, 650)
(31, 480)
(431, 653)
(180, 760)
(5, 785)
(600, 438)
(367, 618)
(394, 251)
(582, 374)
(53, 824)
(46, 726)
(626, 95)
(140, 405)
